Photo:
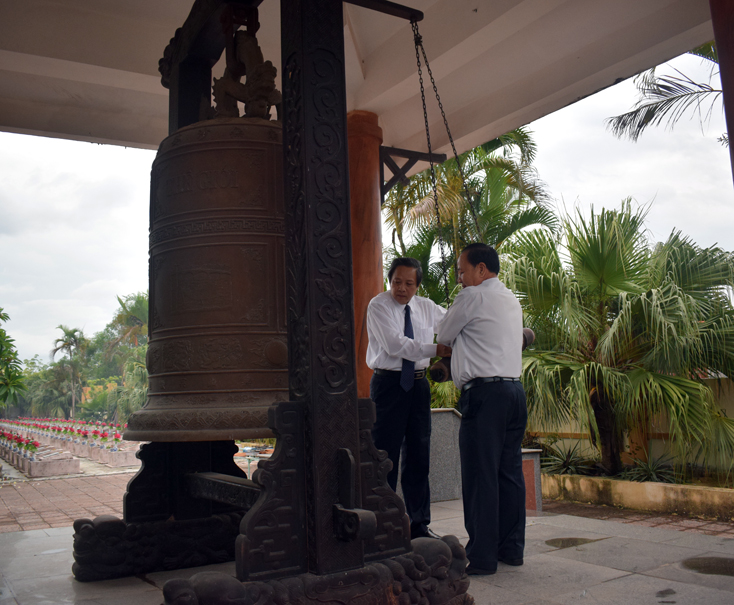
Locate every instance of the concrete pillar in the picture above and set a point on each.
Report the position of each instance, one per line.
(364, 139)
(722, 17)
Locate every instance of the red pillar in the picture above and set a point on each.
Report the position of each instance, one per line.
(722, 17)
(365, 138)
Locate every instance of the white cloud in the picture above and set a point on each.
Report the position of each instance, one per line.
(685, 175)
(73, 234)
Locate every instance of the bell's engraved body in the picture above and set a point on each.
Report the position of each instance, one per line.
(218, 344)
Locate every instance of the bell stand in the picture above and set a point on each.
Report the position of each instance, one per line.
(322, 507)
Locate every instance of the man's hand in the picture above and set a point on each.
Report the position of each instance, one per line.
(443, 350)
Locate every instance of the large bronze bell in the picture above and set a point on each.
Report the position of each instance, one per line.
(218, 348)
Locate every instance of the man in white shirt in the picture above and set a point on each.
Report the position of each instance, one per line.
(484, 328)
(401, 326)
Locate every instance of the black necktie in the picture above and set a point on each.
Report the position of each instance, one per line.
(407, 374)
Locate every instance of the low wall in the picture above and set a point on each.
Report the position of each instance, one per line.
(445, 467)
(692, 500)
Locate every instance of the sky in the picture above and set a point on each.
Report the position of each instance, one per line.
(685, 175)
(74, 216)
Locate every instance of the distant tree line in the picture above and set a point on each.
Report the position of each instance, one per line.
(98, 378)
(12, 384)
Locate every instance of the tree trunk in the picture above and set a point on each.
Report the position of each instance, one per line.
(610, 438)
(403, 251)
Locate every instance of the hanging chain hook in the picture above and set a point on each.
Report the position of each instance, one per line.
(419, 44)
(444, 271)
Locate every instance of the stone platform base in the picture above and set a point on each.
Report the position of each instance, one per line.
(107, 547)
(433, 573)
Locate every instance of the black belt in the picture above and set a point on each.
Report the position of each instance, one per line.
(477, 381)
(380, 372)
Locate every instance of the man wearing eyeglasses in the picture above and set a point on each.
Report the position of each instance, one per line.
(401, 328)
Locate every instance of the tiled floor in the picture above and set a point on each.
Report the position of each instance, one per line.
(29, 505)
(623, 563)
(631, 557)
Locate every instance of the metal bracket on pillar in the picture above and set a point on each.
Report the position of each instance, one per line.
(351, 523)
(400, 173)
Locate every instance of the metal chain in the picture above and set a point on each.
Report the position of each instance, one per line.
(419, 43)
(444, 271)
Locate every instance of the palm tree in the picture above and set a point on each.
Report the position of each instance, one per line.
(669, 98)
(12, 382)
(490, 194)
(133, 393)
(74, 344)
(131, 320)
(397, 203)
(50, 390)
(626, 332)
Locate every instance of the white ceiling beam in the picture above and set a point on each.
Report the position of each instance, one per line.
(61, 69)
(498, 89)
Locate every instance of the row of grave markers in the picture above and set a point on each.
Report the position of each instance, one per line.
(58, 455)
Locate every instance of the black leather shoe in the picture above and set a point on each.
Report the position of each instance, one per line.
(478, 571)
(428, 533)
(513, 562)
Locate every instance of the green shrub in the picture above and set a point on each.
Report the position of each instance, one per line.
(656, 469)
(444, 394)
(566, 461)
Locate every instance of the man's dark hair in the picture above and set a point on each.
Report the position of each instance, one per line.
(482, 253)
(406, 262)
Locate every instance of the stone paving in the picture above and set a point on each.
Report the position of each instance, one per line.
(43, 503)
(575, 553)
(29, 505)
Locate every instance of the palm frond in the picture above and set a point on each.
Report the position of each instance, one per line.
(608, 250)
(717, 451)
(520, 138)
(664, 98)
(706, 51)
(687, 404)
(544, 377)
(522, 219)
(700, 272)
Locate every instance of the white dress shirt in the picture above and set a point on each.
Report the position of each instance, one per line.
(484, 329)
(388, 345)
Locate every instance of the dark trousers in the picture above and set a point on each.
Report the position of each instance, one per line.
(404, 423)
(493, 420)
